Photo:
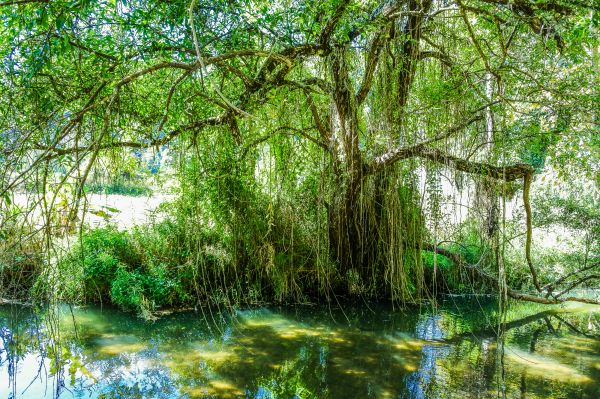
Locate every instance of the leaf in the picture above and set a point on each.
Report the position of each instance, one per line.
(6, 198)
(100, 213)
(60, 22)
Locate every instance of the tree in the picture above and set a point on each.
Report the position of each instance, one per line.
(382, 88)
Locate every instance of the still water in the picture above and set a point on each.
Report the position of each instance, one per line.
(366, 351)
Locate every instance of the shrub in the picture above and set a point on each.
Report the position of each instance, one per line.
(121, 267)
(21, 261)
(127, 289)
(121, 187)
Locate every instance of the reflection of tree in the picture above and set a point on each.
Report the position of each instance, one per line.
(297, 352)
(544, 316)
(422, 383)
(19, 336)
(520, 336)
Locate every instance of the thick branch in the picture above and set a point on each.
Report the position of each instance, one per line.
(345, 103)
(457, 260)
(372, 60)
(444, 58)
(409, 57)
(506, 173)
(321, 127)
(21, 2)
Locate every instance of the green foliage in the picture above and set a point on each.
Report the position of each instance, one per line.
(127, 289)
(121, 188)
(535, 140)
(290, 381)
(574, 223)
(580, 211)
(430, 260)
(472, 248)
(112, 265)
(21, 260)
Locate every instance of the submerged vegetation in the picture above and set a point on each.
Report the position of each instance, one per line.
(311, 150)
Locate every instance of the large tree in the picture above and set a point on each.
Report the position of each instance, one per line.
(381, 88)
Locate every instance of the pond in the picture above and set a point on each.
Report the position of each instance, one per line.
(454, 350)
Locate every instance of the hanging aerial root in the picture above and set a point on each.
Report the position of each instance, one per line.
(526, 186)
(505, 173)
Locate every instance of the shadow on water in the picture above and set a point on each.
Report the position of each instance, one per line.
(303, 352)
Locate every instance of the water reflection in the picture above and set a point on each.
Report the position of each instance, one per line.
(452, 352)
(423, 382)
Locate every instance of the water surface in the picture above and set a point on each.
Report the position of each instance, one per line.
(366, 351)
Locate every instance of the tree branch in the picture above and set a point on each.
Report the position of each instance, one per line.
(387, 159)
(193, 126)
(329, 27)
(321, 127)
(528, 221)
(444, 58)
(21, 2)
(506, 173)
(550, 287)
(372, 60)
(577, 283)
(457, 260)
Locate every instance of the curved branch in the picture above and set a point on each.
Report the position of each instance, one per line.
(506, 173)
(459, 261)
(442, 57)
(577, 283)
(372, 60)
(193, 126)
(387, 159)
(550, 287)
(21, 2)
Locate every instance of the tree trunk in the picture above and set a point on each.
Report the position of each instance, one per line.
(374, 227)
(346, 243)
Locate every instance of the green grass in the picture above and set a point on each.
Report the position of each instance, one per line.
(129, 188)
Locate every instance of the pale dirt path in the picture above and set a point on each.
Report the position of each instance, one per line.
(132, 211)
(120, 210)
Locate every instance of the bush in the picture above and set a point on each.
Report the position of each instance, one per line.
(121, 187)
(21, 262)
(468, 246)
(115, 265)
(127, 289)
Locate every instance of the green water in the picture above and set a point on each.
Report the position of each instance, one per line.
(366, 351)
